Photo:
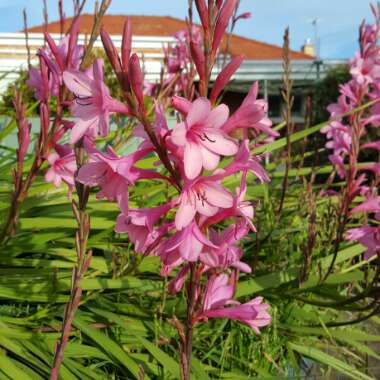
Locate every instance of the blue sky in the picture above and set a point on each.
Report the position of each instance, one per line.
(338, 25)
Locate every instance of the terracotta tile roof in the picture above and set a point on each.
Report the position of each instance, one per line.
(167, 26)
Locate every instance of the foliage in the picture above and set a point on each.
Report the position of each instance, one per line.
(124, 320)
(127, 322)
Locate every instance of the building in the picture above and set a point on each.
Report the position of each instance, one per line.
(151, 33)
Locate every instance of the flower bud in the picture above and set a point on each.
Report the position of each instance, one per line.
(224, 77)
(199, 59)
(126, 44)
(136, 78)
(224, 16)
(111, 52)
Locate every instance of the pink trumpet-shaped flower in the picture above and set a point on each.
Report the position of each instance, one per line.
(148, 217)
(175, 285)
(93, 103)
(114, 174)
(204, 196)
(62, 166)
(170, 260)
(57, 58)
(251, 114)
(368, 236)
(339, 136)
(372, 204)
(189, 242)
(240, 209)
(243, 207)
(219, 293)
(372, 145)
(36, 82)
(201, 137)
(142, 238)
(61, 53)
(244, 161)
(227, 255)
(365, 70)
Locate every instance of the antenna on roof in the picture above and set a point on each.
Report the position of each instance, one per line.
(317, 41)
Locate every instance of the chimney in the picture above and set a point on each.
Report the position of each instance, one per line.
(308, 48)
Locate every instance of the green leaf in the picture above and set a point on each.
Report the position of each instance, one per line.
(164, 359)
(329, 361)
(109, 347)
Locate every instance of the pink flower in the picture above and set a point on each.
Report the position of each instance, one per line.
(189, 242)
(148, 217)
(372, 204)
(170, 260)
(93, 103)
(138, 235)
(372, 145)
(227, 255)
(368, 236)
(204, 196)
(114, 174)
(340, 108)
(338, 161)
(62, 166)
(244, 208)
(175, 285)
(365, 70)
(219, 293)
(36, 83)
(240, 209)
(60, 53)
(201, 137)
(243, 161)
(339, 136)
(251, 114)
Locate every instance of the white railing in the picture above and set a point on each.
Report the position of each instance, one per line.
(13, 56)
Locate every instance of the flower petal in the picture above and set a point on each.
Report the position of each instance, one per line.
(178, 135)
(210, 160)
(192, 160)
(217, 117)
(78, 83)
(219, 143)
(217, 195)
(185, 214)
(199, 111)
